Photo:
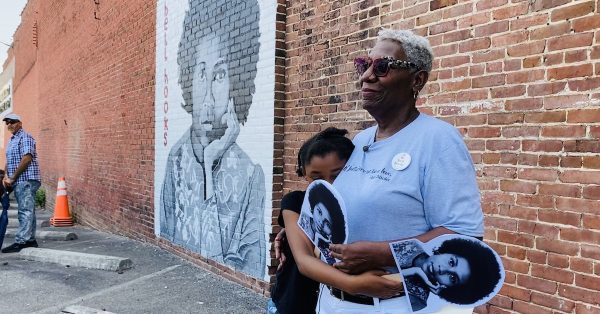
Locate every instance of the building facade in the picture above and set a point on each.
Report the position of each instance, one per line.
(177, 122)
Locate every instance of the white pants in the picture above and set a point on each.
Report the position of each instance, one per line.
(329, 304)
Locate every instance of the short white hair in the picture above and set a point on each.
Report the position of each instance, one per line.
(417, 48)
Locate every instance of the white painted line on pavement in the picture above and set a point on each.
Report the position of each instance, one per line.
(78, 309)
(86, 297)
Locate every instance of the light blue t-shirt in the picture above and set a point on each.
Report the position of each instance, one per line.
(388, 198)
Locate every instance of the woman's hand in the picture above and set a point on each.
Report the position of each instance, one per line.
(216, 148)
(417, 271)
(279, 239)
(372, 284)
(361, 256)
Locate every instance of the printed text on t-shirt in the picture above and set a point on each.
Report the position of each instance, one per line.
(380, 174)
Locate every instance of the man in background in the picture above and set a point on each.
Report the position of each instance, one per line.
(23, 176)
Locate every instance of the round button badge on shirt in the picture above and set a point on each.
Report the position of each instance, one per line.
(401, 161)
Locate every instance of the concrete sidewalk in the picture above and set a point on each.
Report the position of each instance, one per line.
(159, 281)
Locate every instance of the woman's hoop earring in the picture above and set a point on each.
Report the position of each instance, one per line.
(415, 94)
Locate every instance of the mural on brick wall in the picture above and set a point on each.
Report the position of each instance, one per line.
(214, 128)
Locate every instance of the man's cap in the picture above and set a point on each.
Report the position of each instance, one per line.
(12, 116)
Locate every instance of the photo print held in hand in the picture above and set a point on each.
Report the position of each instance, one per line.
(448, 272)
(323, 218)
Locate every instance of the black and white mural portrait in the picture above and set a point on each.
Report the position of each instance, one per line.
(214, 128)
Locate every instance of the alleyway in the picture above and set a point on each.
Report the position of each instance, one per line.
(159, 282)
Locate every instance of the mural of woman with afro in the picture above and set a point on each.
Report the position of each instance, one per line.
(213, 195)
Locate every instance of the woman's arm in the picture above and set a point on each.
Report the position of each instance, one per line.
(369, 283)
(361, 256)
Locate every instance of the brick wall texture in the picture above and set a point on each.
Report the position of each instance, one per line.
(520, 80)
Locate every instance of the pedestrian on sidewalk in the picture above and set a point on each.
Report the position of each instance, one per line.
(23, 176)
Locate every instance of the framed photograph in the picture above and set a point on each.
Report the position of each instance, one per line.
(448, 273)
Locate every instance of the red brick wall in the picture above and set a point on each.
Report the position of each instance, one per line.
(521, 81)
(85, 91)
(95, 100)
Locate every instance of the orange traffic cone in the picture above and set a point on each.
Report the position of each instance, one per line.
(62, 216)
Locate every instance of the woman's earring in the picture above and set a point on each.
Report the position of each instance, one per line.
(415, 94)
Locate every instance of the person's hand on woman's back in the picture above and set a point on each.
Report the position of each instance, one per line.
(359, 257)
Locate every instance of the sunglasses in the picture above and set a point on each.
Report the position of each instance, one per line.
(9, 122)
(381, 66)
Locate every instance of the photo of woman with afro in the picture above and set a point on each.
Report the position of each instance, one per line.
(326, 223)
(461, 270)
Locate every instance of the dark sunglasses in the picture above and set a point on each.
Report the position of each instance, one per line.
(381, 66)
(9, 122)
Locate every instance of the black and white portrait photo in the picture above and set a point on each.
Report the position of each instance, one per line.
(211, 182)
(323, 218)
(449, 270)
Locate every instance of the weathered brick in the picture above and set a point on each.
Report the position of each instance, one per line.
(552, 302)
(552, 273)
(592, 162)
(537, 284)
(538, 174)
(529, 76)
(488, 4)
(572, 11)
(551, 30)
(546, 117)
(560, 189)
(516, 292)
(527, 49)
(527, 307)
(475, 19)
(518, 186)
(578, 294)
(586, 23)
(524, 104)
(529, 21)
(547, 4)
(437, 4)
(474, 44)
(578, 205)
(559, 217)
(566, 101)
(564, 131)
(508, 12)
(491, 28)
(544, 89)
(570, 41)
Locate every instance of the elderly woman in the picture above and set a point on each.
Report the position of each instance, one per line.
(416, 176)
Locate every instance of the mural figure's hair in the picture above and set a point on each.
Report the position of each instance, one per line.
(235, 24)
(327, 141)
(320, 194)
(485, 271)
